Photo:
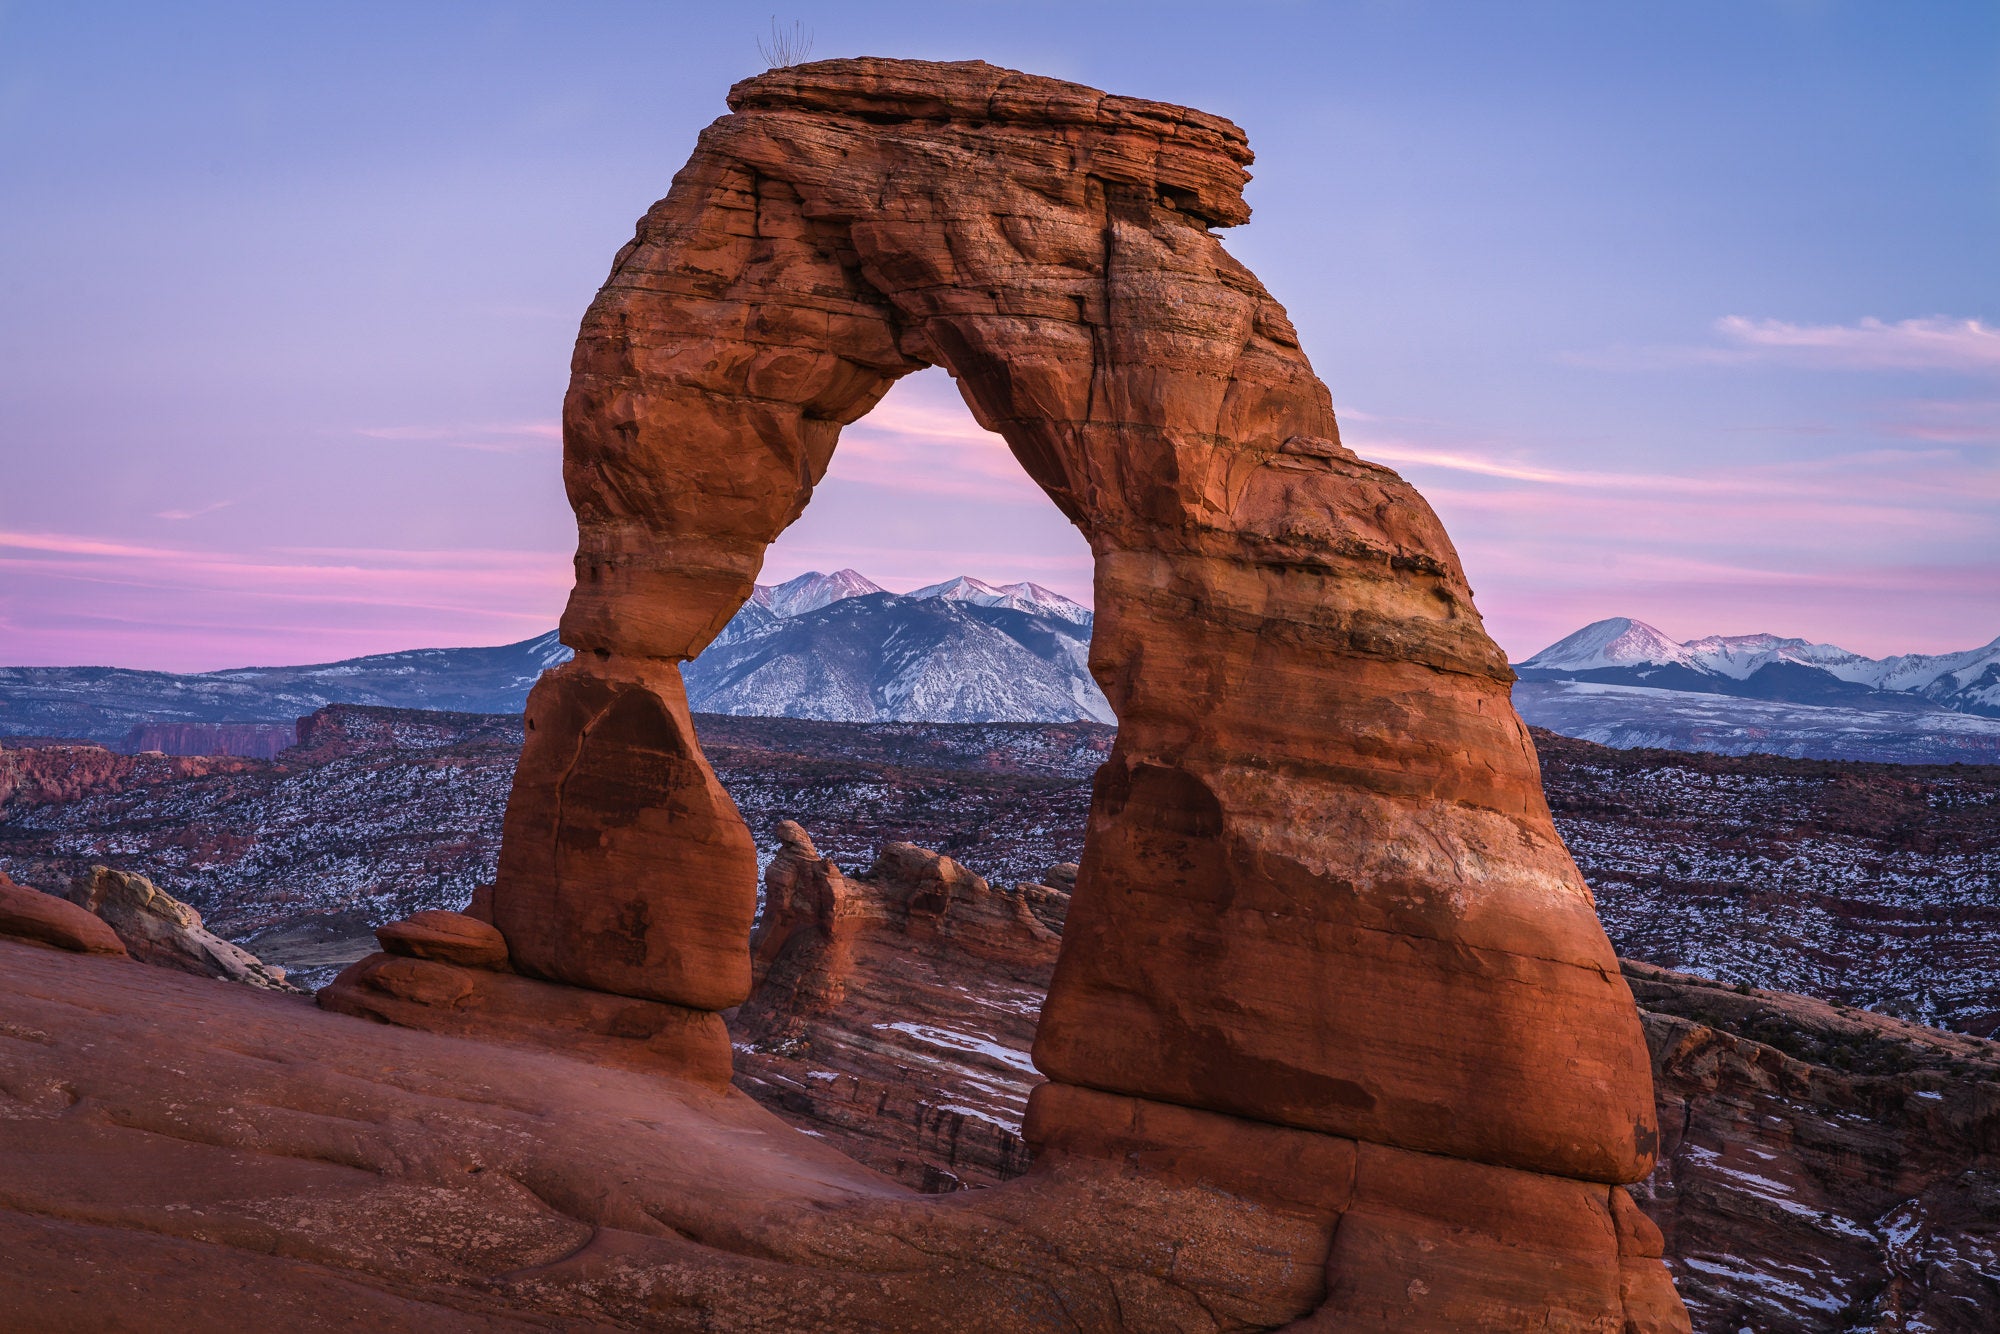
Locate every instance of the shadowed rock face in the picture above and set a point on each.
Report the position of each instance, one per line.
(1321, 894)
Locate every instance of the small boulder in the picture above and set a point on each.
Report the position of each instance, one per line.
(445, 937)
(43, 919)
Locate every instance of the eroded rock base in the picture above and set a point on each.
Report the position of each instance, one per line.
(239, 1152)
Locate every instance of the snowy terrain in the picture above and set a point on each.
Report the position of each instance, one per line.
(1621, 682)
(1628, 652)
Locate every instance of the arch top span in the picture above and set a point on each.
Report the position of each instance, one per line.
(1321, 889)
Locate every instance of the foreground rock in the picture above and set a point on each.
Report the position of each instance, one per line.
(234, 1155)
(158, 928)
(43, 919)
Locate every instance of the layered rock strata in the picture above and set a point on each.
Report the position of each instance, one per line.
(1321, 895)
(893, 1010)
(1823, 1169)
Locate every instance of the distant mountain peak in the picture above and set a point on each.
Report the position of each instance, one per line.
(1618, 641)
(1022, 596)
(813, 590)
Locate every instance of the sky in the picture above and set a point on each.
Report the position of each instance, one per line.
(1683, 312)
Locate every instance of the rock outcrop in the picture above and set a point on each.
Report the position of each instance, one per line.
(43, 919)
(450, 973)
(158, 928)
(1823, 1169)
(229, 1153)
(262, 741)
(893, 1011)
(59, 772)
(1321, 896)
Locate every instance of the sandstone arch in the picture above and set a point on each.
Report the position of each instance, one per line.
(1322, 898)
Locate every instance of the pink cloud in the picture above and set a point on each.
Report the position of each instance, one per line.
(921, 440)
(196, 513)
(73, 598)
(1934, 344)
(1948, 422)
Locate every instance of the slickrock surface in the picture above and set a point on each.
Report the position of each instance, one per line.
(1321, 889)
(179, 1155)
(158, 928)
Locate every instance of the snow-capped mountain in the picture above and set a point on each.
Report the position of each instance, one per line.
(962, 651)
(1622, 651)
(811, 591)
(105, 703)
(1023, 596)
(1622, 682)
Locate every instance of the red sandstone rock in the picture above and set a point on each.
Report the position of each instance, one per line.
(1321, 887)
(32, 775)
(447, 937)
(43, 919)
(253, 1154)
(261, 741)
(621, 1031)
(625, 867)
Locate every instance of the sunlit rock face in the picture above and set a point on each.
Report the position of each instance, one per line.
(1321, 897)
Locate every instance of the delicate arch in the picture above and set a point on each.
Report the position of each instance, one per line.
(1321, 888)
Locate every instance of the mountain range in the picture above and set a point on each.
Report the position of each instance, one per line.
(1629, 652)
(836, 647)
(840, 648)
(1622, 682)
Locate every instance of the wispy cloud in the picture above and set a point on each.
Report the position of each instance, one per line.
(1470, 461)
(1938, 344)
(921, 440)
(321, 602)
(1947, 421)
(486, 438)
(1820, 546)
(1934, 344)
(193, 513)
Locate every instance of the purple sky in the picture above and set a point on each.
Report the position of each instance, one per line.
(1689, 313)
